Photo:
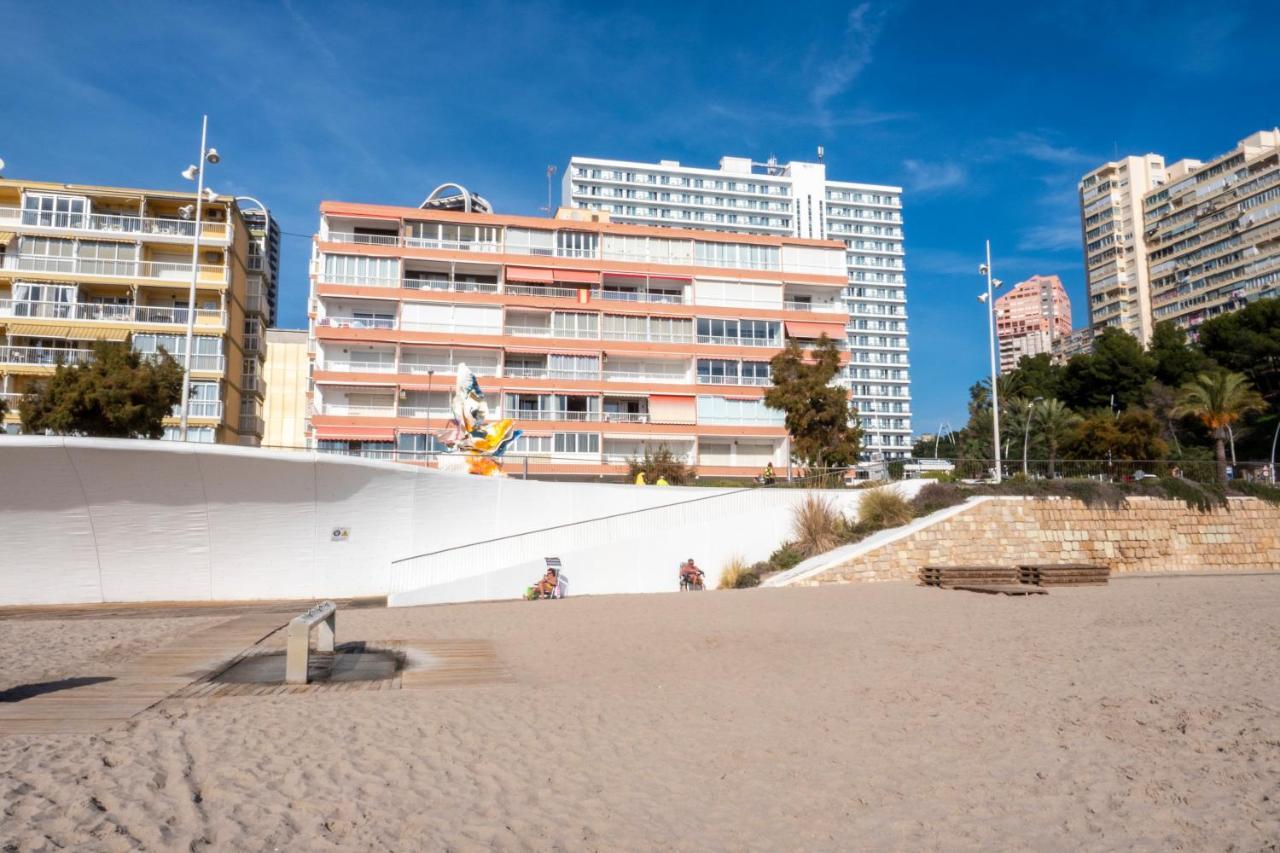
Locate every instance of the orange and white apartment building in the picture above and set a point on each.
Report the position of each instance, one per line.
(599, 339)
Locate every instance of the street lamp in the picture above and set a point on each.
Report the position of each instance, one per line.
(1274, 439)
(1026, 435)
(988, 299)
(195, 172)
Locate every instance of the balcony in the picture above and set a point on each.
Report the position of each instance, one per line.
(104, 313)
(157, 270)
(645, 296)
(334, 366)
(540, 290)
(634, 376)
(724, 340)
(439, 412)
(43, 356)
(344, 410)
(208, 409)
(549, 373)
(648, 337)
(356, 322)
(449, 285)
(705, 379)
(252, 424)
(554, 415)
(549, 332)
(99, 223)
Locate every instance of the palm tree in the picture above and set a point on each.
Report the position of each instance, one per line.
(1218, 398)
(1054, 421)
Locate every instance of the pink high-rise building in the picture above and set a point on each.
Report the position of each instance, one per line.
(1030, 318)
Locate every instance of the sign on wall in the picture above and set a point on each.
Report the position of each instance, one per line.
(341, 534)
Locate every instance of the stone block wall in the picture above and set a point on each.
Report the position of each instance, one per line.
(1147, 535)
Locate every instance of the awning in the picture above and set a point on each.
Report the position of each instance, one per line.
(6, 237)
(576, 276)
(530, 274)
(797, 329)
(66, 332)
(360, 432)
(672, 409)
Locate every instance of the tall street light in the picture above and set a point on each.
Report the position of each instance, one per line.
(195, 172)
(1026, 434)
(1274, 439)
(988, 299)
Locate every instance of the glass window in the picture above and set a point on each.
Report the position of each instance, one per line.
(359, 269)
(57, 211)
(577, 442)
(577, 244)
(717, 371)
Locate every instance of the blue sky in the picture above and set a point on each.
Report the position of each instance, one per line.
(987, 113)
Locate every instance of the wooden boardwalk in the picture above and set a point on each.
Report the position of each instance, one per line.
(137, 685)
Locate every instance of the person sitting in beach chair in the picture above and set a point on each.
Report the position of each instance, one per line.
(546, 587)
(690, 575)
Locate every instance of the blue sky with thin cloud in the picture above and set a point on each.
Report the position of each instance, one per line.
(986, 113)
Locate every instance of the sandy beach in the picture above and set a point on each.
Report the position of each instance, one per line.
(1144, 715)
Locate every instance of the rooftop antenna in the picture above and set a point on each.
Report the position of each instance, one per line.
(551, 170)
(821, 151)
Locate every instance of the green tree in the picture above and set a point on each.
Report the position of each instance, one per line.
(1176, 361)
(1038, 376)
(1118, 366)
(116, 394)
(1218, 398)
(1248, 341)
(1053, 423)
(660, 463)
(1134, 435)
(824, 432)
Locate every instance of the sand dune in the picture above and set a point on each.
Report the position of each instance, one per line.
(1145, 715)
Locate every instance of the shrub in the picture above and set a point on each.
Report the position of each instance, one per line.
(660, 463)
(762, 568)
(736, 574)
(816, 526)
(785, 557)
(883, 507)
(1202, 497)
(1270, 494)
(936, 496)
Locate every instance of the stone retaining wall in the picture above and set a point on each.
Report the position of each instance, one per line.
(1147, 535)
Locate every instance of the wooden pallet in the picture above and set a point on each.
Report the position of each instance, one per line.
(1064, 574)
(1002, 589)
(972, 575)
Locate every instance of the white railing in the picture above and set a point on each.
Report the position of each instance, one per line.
(553, 415)
(344, 409)
(540, 290)
(449, 328)
(44, 355)
(450, 285)
(425, 412)
(724, 340)
(421, 369)
(549, 373)
(638, 296)
(452, 245)
(200, 409)
(357, 322)
(626, 417)
(648, 337)
(635, 376)
(734, 380)
(110, 223)
(359, 280)
(364, 239)
(814, 307)
(107, 313)
(356, 366)
(112, 268)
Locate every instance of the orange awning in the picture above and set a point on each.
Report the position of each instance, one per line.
(797, 329)
(672, 409)
(576, 276)
(532, 274)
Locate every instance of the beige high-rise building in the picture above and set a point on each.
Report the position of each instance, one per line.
(1114, 246)
(1212, 233)
(287, 373)
(1030, 319)
(81, 263)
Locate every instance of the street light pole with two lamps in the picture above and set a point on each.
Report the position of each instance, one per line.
(195, 172)
(988, 299)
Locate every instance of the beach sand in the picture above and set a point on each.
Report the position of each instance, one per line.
(1144, 715)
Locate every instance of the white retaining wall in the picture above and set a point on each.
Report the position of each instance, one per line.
(89, 520)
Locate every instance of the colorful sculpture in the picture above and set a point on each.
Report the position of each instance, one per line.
(478, 445)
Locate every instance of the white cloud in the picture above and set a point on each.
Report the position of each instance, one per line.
(933, 177)
(862, 29)
(1058, 237)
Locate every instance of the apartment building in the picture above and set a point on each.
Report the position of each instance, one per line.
(1030, 319)
(600, 339)
(1114, 243)
(1067, 347)
(1185, 241)
(262, 279)
(798, 200)
(1212, 233)
(287, 371)
(86, 263)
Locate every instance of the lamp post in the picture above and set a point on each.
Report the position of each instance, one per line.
(195, 173)
(1274, 439)
(1026, 435)
(988, 299)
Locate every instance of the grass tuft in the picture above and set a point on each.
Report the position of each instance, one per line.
(815, 526)
(883, 507)
(736, 574)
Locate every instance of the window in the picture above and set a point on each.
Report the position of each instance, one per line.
(529, 444)
(365, 449)
(358, 269)
(416, 444)
(714, 371)
(57, 211)
(722, 410)
(566, 324)
(107, 258)
(577, 244)
(449, 235)
(525, 241)
(577, 442)
(43, 300)
(717, 331)
(197, 434)
(573, 366)
(756, 373)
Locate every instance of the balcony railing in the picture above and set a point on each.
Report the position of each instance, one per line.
(425, 412)
(548, 373)
(356, 366)
(423, 368)
(705, 379)
(44, 355)
(357, 322)
(725, 340)
(554, 415)
(452, 245)
(648, 337)
(540, 290)
(252, 424)
(637, 376)
(162, 270)
(363, 239)
(108, 313)
(450, 285)
(104, 223)
(200, 409)
(639, 296)
(344, 410)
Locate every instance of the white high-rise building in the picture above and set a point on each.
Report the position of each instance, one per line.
(788, 199)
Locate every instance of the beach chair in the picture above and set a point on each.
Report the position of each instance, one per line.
(562, 583)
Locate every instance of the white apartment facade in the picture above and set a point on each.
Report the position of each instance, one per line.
(1115, 251)
(788, 200)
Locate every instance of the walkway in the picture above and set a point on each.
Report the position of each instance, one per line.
(90, 706)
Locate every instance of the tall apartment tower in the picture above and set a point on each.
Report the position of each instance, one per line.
(1031, 319)
(261, 290)
(797, 200)
(87, 263)
(1114, 243)
(1212, 233)
(600, 340)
